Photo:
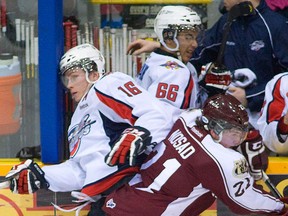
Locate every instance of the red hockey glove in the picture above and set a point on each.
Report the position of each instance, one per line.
(218, 77)
(215, 79)
(253, 150)
(26, 178)
(133, 140)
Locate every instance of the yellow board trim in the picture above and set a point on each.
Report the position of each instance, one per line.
(150, 2)
(277, 165)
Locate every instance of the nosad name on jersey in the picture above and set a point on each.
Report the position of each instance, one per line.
(181, 145)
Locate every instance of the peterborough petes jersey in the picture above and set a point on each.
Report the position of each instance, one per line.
(169, 80)
(183, 175)
(275, 106)
(114, 103)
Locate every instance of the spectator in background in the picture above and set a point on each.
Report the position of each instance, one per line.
(257, 42)
(273, 123)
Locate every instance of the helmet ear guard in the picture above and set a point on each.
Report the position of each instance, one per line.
(168, 34)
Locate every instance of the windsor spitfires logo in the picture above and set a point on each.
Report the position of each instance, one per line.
(171, 65)
(77, 132)
(257, 45)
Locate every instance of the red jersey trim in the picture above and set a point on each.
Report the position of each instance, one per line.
(187, 94)
(123, 110)
(101, 186)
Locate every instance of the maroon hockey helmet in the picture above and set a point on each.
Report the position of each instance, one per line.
(223, 111)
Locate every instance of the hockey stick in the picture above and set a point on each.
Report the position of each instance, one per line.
(238, 10)
(270, 185)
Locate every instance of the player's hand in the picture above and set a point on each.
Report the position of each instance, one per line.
(253, 150)
(243, 78)
(140, 46)
(132, 142)
(26, 178)
(285, 209)
(215, 79)
(25, 183)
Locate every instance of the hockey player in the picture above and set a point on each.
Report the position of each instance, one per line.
(273, 123)
(195, 164)
(167, 73)
(112, 112)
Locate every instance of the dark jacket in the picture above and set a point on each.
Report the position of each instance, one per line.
(258, 42)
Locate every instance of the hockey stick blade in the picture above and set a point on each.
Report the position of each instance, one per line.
(270, 185)
(4, 185)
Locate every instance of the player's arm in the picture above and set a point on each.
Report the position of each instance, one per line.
(241, 196)
(273, 119)
(141, 46)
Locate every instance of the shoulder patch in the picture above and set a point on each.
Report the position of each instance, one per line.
(171, 65)
(240, 168)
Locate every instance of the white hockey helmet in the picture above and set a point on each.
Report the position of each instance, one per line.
(86, 56)
(171, 19)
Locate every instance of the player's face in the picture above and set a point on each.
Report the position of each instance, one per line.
(230, 3)
(233, 137)
(75, 81)
(187, 44)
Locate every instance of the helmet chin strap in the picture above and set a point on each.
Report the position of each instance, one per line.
(87, 77)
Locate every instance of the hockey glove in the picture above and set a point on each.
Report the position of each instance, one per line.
(243, 77)
(26, 178)
(215, 79)
(253, 150)
(132, 142)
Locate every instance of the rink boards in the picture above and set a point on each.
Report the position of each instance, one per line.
(40, 202)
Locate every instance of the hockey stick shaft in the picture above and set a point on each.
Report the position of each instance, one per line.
(241, 9)
(270, 185)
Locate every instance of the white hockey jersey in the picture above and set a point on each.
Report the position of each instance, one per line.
(275, 106)
(111, 105)
(170, 80)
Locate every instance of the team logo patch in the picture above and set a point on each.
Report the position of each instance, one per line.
(171, 65)
(257, 45)
(240, 168)
(77, 132)
(110, 204)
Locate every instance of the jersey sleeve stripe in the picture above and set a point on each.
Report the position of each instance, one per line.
(123, 110)
(187, 94)
(276, 104)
